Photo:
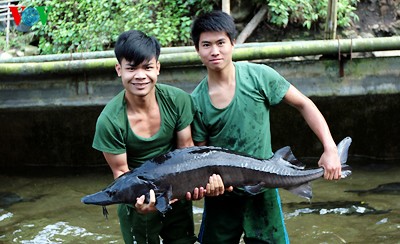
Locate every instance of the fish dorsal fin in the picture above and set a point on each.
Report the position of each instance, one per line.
(287, 155)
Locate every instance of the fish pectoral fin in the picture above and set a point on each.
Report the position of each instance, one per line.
(162, 204)
(303, 190)
(163, 198)
(254, 189)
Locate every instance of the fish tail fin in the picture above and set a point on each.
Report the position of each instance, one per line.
(343, 151)
(346, 171)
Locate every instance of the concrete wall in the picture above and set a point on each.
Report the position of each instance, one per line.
(50, 120)
(325, 77)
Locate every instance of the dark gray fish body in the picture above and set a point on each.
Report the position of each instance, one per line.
(174, 174)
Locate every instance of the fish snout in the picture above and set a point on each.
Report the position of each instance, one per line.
(99, 198)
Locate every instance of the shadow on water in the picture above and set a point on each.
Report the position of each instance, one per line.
(45, 207)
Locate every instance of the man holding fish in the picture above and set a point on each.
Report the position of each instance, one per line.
(233, 103)
(143, 121)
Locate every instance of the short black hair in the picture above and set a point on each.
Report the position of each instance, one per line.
(214, 21)
(136, 47)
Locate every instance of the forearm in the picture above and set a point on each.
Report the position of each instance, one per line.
(329, 159)
(311, 115)
(318, 124)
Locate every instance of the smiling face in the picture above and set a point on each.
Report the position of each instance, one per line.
(215, 50)
(138, 80)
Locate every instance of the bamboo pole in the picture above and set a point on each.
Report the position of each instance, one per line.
(331, 20)
(84, 55)
(8, 17)
(252, 25)
(226, 6)
(248, 52)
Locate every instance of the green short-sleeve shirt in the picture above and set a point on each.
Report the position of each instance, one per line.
(114, 134)
(244, 124)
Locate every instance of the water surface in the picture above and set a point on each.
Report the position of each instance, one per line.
(51, 211)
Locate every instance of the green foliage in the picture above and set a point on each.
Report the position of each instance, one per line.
(93, 25)
(3, 41)
(16, 40)
(308, 12)
(346, 13)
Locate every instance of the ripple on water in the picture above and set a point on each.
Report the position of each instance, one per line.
(59, 232)
(4, 216)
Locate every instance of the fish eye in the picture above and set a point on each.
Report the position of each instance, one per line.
(111, 193)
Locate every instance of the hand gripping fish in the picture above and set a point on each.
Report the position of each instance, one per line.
(174, 174)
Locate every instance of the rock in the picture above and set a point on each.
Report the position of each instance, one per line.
(31, 50)
(375, 27)
(396, 24)
(350, 33)
(242, 9)
(366, 35)
(5, 55)
(12, 52)
(20, 53)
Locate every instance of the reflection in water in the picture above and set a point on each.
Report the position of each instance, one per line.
(54, 213)
(9, 198)
(392, 188)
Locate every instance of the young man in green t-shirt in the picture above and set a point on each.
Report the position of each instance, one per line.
(233, 103)
(141, 122)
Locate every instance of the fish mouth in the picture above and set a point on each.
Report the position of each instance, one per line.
(99, 198)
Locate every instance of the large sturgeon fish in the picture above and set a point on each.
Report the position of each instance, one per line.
(174, 174)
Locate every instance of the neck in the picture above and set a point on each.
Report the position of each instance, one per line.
(225, 76)
(141, 104)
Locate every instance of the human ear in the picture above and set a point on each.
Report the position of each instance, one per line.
(158, 67)
(118, 69)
